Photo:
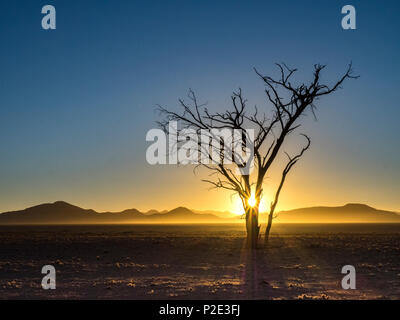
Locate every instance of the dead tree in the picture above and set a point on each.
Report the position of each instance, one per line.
(289, 102)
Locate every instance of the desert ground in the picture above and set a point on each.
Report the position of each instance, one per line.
(199, 262)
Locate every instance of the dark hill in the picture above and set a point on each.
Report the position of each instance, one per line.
(352, 212)
(61, 212)
(182, 214)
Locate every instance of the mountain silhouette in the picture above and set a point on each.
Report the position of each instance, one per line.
(351, 212)
(61, 212)
(182, 214)
(48, 213)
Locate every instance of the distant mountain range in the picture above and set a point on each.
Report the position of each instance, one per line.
(61, 212)
(351, 212)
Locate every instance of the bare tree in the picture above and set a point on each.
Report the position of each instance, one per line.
(288, 103)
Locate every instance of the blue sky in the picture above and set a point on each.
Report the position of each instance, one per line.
(76, 102)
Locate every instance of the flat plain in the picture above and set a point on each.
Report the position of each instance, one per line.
(301, 261)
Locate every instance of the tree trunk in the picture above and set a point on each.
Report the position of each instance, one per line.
(268, 228)
(252, 227)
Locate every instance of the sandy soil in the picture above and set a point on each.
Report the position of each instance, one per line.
(199, 262)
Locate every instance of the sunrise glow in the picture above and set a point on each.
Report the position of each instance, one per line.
(237, 205)
(252, 201)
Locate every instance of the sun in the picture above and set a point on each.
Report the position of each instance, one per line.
(237, 204)
(252, 201)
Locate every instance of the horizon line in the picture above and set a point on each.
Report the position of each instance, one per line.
(198, 210)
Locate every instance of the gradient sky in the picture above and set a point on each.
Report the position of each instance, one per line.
(76, 102)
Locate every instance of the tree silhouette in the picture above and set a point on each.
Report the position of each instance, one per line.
(288, 102)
